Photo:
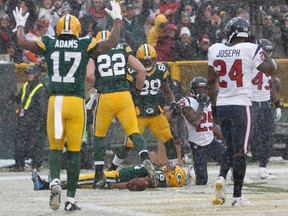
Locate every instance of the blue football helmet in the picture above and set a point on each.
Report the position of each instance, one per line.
(237, 27)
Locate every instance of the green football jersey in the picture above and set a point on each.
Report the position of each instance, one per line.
(126, 174)
(66, 63)
(111, 70)
(148, 100)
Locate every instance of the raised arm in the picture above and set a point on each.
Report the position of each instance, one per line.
(21, 38)
(114, 38)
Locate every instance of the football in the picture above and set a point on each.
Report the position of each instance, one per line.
(137, 184)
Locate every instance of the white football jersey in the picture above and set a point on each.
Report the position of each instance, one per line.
(201, 135)
(260, 86)
(234, 65)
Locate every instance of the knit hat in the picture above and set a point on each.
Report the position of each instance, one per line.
(185, 30)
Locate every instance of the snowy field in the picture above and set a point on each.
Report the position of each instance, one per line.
(269, 197)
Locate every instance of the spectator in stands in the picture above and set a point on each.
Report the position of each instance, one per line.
(5, 32)
(40, 28)
(27, 6)
(57, 4)
(15, 56)
(88, 25)
(189, 7)
(99, 14)
(3, 6)
(275, 11)
(133, 32)
(241, 13)
(45, 12)
(160, 23)
(284, 30)
(202, 51)
(272, 32)
(75, 6)
(166, 43)
(168, 5)
(215, 30)
(184, 48)
(203, 21)
(185, 22)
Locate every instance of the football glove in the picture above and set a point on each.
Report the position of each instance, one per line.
(19, 19)
(115, 13)
(176, 109)
(203, 101)
(135, 93)
(278, 114)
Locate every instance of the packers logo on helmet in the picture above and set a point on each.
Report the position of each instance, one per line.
(147, 56)
(176, 177)
(102, 35)
(68, 25)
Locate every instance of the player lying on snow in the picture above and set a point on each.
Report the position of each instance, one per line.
(133, 178)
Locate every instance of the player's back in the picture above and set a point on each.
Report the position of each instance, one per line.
(66, 62)
(111, 69)
(234, 65)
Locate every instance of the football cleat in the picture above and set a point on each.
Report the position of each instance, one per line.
(264, 174)
(220, 193)
(55, 196)
(37, 181)
(99, 181)
(190, 176)
(71, 206)
(240, 201)
(154, 178)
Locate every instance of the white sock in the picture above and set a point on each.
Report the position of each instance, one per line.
(117, 161)
(71, 200)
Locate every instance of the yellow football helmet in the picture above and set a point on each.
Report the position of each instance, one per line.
(176, 177)
(68, 25)
(102, 35)
(146, 54)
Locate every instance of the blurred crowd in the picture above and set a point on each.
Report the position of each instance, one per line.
(179, 30)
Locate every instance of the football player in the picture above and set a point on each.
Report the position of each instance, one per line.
(119, 179)
(67, 56)
(149, 113)
(229, 87)
(197, 112)
(108, 72)
(265, 93)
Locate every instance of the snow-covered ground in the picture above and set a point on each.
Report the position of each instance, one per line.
(269, 197)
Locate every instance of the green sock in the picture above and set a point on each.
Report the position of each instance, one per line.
(122, 152)
(73, 170)
(54, 161)
(99, 148)
(138, 141)
(171, 149)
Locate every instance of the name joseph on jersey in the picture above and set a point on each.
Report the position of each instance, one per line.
(66, 44)
(229, 53)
